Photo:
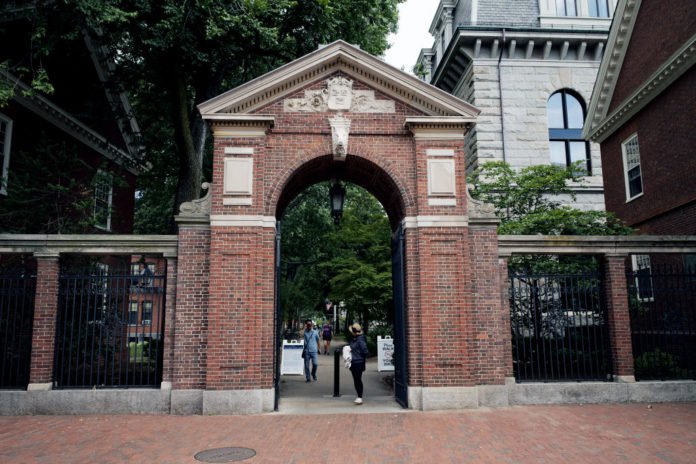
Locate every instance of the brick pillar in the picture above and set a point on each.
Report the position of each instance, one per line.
(505, 305)
(618, 317)
(169, 322)
(44, 330)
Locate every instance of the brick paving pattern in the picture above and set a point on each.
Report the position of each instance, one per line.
(635, 433)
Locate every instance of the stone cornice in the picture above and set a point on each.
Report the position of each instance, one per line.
(338, 57)
(445, 6)
(61, 119)
(53, 245)
(489, 44)
(413, 222)
(620, 33)
(439, 128)
(670, 71)
(595, 245)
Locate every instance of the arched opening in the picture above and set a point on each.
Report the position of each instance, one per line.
(354, 272)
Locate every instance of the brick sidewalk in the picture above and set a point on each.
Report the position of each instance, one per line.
(544, 434)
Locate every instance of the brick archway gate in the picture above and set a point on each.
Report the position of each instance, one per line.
(337, 110)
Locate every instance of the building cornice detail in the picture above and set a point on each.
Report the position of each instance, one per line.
(349, 60)
(61, 119)
(620, 33)
(665, 75)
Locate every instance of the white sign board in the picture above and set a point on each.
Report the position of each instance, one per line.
(385, 354)
(291, 361)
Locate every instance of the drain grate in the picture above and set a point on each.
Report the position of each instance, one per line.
(225, 455)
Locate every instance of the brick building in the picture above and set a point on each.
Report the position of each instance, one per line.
(81, 138)
(642, 114)
(529, 66)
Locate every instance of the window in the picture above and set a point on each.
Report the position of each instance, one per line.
(690, 267)
(566, 8)
(598, 8)
(147, 313)
(5, 142)
(632, 174)
(643, 275)
(102, 200)
(566, 114)
(133, 313)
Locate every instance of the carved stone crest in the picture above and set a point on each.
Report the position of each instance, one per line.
(199, 207)
(338, 96)
(340, 129)
(340, 93)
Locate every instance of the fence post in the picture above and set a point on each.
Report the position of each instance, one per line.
(45, 314)
(618, 317)
(168, 333)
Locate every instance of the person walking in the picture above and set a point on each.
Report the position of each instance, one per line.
(311, 349)
(358, 352)
(326, 336)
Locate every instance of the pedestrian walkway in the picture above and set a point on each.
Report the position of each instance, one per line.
(631, 433)
(299, 397)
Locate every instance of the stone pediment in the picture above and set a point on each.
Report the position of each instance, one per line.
(323, 64)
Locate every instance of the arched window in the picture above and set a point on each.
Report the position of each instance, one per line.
(566, 113)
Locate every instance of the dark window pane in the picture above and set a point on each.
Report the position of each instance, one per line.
(635, 186)
(555, 111)
(574, 108)
(558, 154)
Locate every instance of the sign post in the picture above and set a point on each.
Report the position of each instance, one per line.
(291, 361)
(385, 354)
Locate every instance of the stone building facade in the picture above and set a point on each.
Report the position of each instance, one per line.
(521, 63)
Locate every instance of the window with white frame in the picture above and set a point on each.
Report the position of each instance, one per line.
(5, 142)
(133, 313)
(103, 196)
(147, 313)
(598, 8)
(632, 172)
(566, 8)
(642, 270)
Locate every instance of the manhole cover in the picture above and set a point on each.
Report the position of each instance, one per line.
(225, 455)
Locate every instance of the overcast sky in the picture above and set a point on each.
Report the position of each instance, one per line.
(415, 17)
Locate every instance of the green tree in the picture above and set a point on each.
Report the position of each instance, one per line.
(350, 263)
(171, 56)
(529, 201)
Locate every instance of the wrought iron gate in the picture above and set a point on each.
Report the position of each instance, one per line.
(559, 330)
(400, 352)
(17, 288)
(278, 340)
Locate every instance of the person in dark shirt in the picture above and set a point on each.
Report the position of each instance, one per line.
(358, 352)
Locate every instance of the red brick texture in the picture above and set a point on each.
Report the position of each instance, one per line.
(662, 26)
(667, 162)
(456, 327)
(190, 323)
(170, 310)
(618, 317)
(45, 313)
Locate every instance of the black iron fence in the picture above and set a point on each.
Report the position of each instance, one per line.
(662, 303)
(17, 289)
(109, 328)
(559, 330)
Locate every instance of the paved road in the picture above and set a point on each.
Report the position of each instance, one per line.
(631, 433)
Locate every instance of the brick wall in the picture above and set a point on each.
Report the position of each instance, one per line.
(45, 313)
(661, 28)
(667, 160)
(190, 323)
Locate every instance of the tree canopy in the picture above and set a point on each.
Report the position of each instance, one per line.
(531, 201)
(349, 263)
(169, 56)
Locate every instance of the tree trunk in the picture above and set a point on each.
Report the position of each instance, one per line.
(190, 169)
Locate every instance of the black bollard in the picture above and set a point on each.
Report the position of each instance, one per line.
(337, 372)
